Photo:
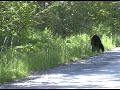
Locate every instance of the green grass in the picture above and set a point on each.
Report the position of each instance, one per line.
(107, 42)
(116, 40)
(76, 47)
(13, 66)
(50, 51)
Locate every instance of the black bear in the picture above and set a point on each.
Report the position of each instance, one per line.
(96, 44)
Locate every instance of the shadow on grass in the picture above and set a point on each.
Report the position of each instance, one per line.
(95, 72)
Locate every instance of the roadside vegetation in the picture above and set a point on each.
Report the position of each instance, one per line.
(37, 35)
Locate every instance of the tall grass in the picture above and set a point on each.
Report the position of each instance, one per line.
(107, 42)
(76, 47)
(116, 39)
(48, 52)
(12, 65)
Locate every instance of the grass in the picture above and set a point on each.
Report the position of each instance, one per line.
(12, 66)
(50, 51)
(107, 42)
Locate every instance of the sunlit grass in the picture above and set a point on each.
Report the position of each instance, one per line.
(107, 42)
(12, 66)
(50, 51)
(116, 40)
(77, 47)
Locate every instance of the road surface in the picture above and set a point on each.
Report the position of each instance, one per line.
(101, 71)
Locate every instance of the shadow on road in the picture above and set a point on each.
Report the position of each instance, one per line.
(101, 71)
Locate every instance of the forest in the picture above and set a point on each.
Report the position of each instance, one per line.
(37, 35)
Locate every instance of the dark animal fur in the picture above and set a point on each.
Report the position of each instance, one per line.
(96, 44)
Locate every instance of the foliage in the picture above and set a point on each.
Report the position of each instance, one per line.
(36, 35)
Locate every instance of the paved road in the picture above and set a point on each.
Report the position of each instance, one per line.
(101, 71)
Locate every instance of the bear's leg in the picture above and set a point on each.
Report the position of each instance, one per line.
(102, 47)
(93, 48)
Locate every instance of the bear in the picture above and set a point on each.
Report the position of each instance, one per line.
(96, 44)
